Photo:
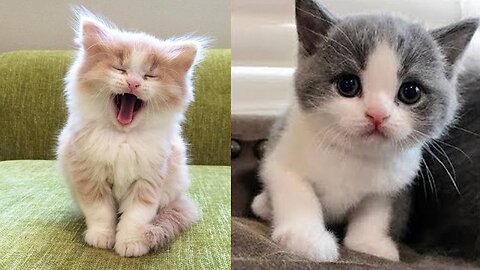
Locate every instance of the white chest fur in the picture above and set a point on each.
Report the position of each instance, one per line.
(119, 158)
(342, 178)
(341, 182)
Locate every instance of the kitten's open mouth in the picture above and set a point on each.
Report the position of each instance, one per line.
(127, 107)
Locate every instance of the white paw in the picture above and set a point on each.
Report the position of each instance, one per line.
(317, 244)
(100, 238)
(380, 246)
(131, 248)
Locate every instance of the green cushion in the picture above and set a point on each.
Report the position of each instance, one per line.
(40, 228)
(32, 107)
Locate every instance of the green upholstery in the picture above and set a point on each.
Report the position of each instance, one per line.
(32, 107)
(40, 228)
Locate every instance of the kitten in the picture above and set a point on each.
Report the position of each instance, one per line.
(121, 150)
(371, 90)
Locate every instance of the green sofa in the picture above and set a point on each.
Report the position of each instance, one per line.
(40, 227)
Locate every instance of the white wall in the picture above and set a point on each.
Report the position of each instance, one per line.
(46, 24)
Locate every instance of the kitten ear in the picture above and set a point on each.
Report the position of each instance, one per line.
(454, 38)
(185, 54)
(92, 33)
(90, 29)
(313, 22)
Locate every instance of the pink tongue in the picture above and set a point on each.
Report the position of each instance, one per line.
(127, 104)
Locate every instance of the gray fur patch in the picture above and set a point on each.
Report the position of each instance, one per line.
(343, 47)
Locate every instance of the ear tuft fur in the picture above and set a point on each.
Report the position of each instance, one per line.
(90, 29)
(187, 51)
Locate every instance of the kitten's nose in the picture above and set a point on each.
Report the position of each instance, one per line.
(133, 84)
(377, 117)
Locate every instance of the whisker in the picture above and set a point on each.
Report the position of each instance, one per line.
(444, 167)
(466, 130)
(437, 147)
(431, 180)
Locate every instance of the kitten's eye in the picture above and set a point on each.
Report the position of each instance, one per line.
(146, 76)
(348, 85)
(123, 71)
(235, 149)
(409, 93)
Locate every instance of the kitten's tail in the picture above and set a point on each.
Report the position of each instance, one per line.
(171, 221)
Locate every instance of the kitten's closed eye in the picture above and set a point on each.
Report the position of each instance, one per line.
(123, 71)
(148, 76)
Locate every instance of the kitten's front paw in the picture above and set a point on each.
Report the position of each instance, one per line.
(381, 246)
(100, 238)
(131, 248)
(316, 244)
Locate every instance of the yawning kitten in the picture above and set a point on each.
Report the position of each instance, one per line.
(121, 151)
(371, 90)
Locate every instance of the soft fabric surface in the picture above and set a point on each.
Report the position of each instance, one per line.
(252, 249)
(33, 109)
(40, 227)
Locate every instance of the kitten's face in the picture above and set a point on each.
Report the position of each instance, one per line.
(128, 77)
(373, 79)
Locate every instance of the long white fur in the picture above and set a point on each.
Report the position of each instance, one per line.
(312, 181)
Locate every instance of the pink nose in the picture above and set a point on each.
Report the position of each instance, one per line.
(133, 84)
(377, 117)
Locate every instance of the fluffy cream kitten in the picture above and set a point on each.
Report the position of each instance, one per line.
(121, 150)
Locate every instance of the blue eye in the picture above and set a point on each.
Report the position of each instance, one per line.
(348, 85)
(409, 93)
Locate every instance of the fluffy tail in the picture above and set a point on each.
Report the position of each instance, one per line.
(170, 221)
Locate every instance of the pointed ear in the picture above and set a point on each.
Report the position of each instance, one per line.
(454, 38)
(313, 22)
(185, 54)
(92, 33)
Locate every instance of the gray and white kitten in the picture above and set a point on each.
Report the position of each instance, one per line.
(371, 91)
